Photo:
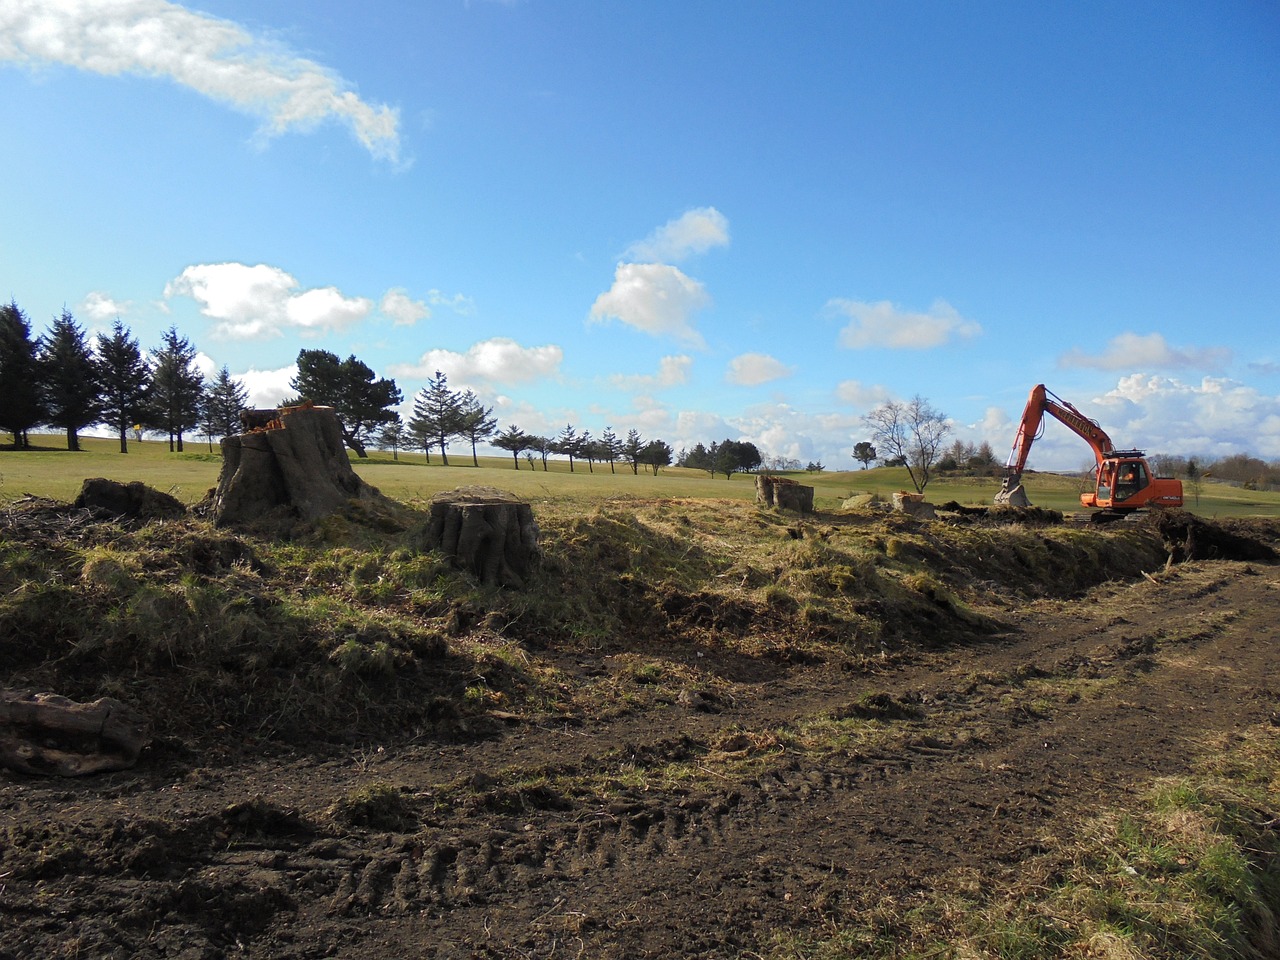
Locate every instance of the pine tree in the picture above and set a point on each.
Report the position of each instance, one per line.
(125, 380)
(69, 384)
(177, 388)
(362, 404)
(224, 398)
(20, 407)
(513, 439)
(610, 447)
(437, 414)
(632, 447)
(476, 422)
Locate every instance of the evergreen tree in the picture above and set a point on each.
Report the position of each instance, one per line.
(362, 404)
(610, 447)
(20, 407)
(125, 380)
(437, 414)
(224, 398)
(632, 447)
(656, 453)
(567, 444)
(392, 435)
(476, 422)
(513, 439)
(69, 387)
(177, 388)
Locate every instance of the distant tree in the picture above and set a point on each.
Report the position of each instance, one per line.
(125, 379)
(700, 458)
(983, 457)
(656, 453)
(588, 449)
(912, 432)
(567, 444)
(20, 407)
(610, 447)
(514, 440)
(177, 388)
(864, 453)
(544, 447)
(528, 456)
(632, 447)
(363, 404)
(476, 422)
(69, 386)
(437, 413)
(224, 399)
(1194, 474)
(736, 456)
(392, 435)
(814, 466)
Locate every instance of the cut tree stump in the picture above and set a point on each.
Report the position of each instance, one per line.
(44, 733)
(297, 464)
(783, 493)
(490, 533)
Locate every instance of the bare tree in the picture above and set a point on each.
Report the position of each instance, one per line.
(912, 432)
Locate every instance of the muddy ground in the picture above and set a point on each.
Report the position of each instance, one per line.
(697, 824)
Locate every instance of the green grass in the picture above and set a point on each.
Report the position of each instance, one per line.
(53, 471)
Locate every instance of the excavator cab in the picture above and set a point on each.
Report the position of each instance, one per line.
(1119, 480)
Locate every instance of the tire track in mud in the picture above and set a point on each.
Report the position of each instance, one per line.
(966, 771)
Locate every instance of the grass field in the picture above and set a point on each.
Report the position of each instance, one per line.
(51, 470)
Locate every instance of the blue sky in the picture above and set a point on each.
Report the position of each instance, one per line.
(695, 219)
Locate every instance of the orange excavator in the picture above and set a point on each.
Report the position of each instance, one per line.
(1124, 480)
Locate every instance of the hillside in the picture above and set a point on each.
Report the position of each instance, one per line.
(703, 731)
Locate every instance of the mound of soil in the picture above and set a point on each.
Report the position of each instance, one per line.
(618, 816)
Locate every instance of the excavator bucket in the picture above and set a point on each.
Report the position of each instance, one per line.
(1012, 493)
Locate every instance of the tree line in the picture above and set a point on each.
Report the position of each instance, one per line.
(64, 380)
(70, 381)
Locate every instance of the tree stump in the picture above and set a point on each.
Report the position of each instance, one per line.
(44, 733)
(783, 493)
(490, 533)
(913, 504)
(297, 463)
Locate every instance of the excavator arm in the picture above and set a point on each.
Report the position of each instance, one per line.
(1040, 402)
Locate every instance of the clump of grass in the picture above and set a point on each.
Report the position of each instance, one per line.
(377, 806)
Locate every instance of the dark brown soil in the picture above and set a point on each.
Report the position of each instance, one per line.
(683, 827)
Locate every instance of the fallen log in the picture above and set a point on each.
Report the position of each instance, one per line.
(44, 733)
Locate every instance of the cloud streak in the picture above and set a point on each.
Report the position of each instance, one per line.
(216, 58)
(694, 231)
(499, 360)
(883, 324)
(1133, 351)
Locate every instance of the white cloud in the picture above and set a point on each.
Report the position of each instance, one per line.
(499, 360)
(884, 325)
(262, 301)
(268, 388)
(655, 298)
(325, 308)
(403, 311)
(1130, 351)
(217, 58)
(860, 395)
(672, 371)
(753, 369)
(695, 231)
(100, 308)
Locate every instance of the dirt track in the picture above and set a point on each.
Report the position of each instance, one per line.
(697, 827)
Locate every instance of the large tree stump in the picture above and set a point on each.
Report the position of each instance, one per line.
(298, 463)
(783, 493)
(44, 733)
(487, 532)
